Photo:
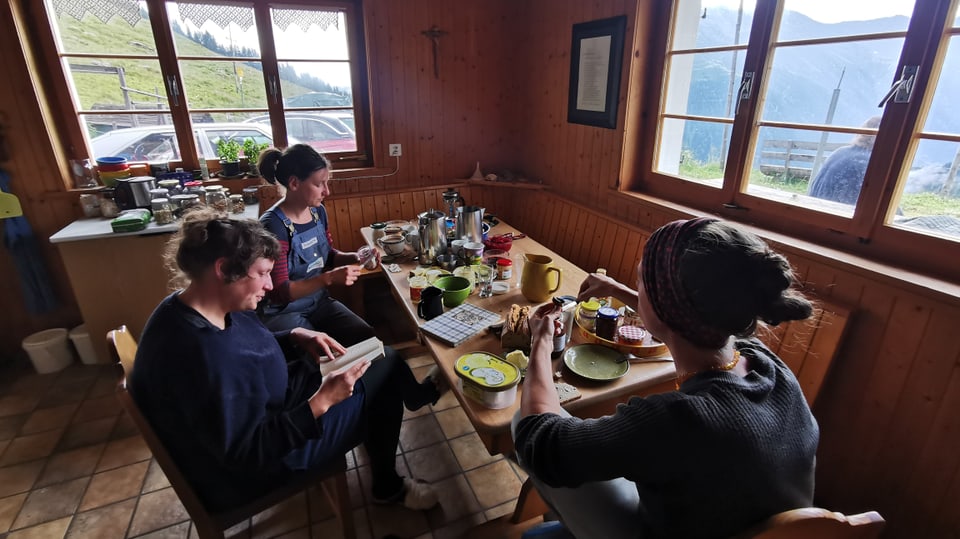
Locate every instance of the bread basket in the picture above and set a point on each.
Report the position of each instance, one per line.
(651, 347)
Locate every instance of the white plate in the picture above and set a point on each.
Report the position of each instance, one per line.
(501, 288)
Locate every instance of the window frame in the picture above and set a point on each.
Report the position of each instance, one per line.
(69, 126)
(866, 232)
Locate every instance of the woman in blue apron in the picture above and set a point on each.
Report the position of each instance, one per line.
(308, 263)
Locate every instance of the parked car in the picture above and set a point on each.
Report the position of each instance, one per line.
(159, 142)
(323, 132)
(318, 99)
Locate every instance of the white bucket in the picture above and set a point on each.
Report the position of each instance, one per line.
(48, 350)
(81, 341)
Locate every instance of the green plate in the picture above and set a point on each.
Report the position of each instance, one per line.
(595, 362)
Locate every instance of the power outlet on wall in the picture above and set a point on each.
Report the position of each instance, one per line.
(396, 150)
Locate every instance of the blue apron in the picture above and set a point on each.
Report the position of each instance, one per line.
(309, 252)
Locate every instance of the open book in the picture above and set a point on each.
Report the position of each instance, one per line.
(371, 349)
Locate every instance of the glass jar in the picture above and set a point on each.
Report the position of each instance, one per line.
(108, 205)
(182, 203)
(217, 200)
(159, 192)
(196, 188)
(84, 175)
(162, 210)
(607, 323)
(504, 268)
(379, 231)
(90, 204)
(172, 187)
(251, 195)
(588, 315)
(236, 204)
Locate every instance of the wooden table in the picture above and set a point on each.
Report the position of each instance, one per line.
(493, 426)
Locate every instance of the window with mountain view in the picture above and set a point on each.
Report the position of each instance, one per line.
(212, 69)
(771, 107)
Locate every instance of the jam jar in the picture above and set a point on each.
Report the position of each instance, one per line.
(217, 199)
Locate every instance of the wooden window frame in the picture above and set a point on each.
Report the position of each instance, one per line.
(866, 233)
(70, 130)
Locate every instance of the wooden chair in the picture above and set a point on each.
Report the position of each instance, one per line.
(814, 522)
(123, 349)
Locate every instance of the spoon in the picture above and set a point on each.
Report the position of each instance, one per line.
(629, 356)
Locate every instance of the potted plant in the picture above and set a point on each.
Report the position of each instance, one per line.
(228, 150)
(251, 150)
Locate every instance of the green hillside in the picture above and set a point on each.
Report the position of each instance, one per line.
(209, 84)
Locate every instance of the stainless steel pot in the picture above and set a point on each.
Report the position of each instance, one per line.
(470, 223)
(433, 235)
(134, 192)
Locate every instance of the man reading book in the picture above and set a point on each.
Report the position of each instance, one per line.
(218, 390)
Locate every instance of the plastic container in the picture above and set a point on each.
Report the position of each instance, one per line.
(488, 379)
(80, 338)
(588, 314)
(48, 350)
(504, 268)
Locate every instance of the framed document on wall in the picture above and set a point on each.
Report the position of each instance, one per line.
(596, 57)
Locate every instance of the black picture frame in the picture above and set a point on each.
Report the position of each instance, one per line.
(595, 72)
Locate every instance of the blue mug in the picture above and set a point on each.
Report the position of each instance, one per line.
(431, 303)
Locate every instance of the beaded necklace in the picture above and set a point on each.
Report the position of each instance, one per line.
(682, 377)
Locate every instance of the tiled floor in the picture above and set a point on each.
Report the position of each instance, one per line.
(72, 465)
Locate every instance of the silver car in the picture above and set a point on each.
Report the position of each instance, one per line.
(159, 142)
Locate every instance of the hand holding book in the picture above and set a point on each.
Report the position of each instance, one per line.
(368, 350)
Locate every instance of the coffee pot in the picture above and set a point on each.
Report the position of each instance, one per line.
(451, 197)
(470, 223)
(433, 235)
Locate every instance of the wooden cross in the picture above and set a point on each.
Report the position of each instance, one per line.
(434, 34)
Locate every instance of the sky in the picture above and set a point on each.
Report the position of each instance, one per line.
(831, 11)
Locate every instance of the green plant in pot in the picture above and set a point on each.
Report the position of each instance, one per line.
(251, 150)
(228, 150)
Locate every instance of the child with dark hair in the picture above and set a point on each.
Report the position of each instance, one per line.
(732, 446)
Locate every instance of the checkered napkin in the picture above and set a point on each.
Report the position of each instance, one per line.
(459, 324)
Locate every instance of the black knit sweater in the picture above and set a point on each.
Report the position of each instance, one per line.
(710, 460)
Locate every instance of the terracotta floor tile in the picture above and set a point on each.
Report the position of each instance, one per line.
(521, 473)
(114, 485)
(157, 510)
(448, 400)
(408, 414)
(9, 507)
(177, 531)
(3, 446)
(432, 463)
(88, 433)
(420, 432)
(97, 408)
(49, 503)
(104, 385)
(456, 501)
(503, 509)
(71, 464)
(470, 451)
(60, 395)
(494, 483)
(287, 515)
(124, 451)
(18, 403)
(30, 447)
(302, 533)
(320, 507)
(124, 427)
(49, 530)
(77, 374)
(10, 425)
(459, 528)
(387, 519)
(420, 361)
(106, 521)
(357, 498)
(48, 418)
(19, 478)
(454, 422)
(330, 528)
(31, 382)
(155, 479)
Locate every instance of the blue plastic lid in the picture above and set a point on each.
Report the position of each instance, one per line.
(608, 312)
(111, 160)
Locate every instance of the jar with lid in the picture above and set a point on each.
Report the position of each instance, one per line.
(236, 204)
(588, 314)
(182, 203)
(108, 205)
(379, 231)
(159, 192)
(217, 200)
(162, 210)
(251, 195)
(90, 204)
(195, 188)
(607, 323)
(504, 269)
(172, 186)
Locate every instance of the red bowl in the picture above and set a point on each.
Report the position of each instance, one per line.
(113, 168)
(499, 242)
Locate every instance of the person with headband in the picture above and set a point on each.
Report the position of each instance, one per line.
(308, 264)
(735, 444)
(242, 409)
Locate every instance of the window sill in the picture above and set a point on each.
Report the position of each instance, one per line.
(926, 285)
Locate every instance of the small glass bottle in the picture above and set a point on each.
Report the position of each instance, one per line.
(162, 211)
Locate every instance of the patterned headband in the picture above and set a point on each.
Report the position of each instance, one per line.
(661, 281)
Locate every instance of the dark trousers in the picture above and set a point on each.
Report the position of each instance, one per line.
(327, 315)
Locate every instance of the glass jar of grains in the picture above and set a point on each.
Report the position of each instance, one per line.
(108, 206)
(216, 199)
(236, 204)
(162, 210)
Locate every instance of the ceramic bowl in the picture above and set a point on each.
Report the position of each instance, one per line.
(447, 262)
(393, 244)
(455, 289)
(503, 243)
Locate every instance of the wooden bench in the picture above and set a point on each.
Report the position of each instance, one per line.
(794, 158)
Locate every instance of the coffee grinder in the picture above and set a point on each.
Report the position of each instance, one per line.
(451, 197)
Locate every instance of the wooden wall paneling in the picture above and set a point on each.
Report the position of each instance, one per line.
(355, 211)
(616, 254)
(570, 233)
(628, 265)
(588, 228)
(578, 238)
(931, 482)
(344, 232)
(407, 207)
(380, 60)
(922, 396)
(419, 204)
(943, 521)
(419, 17)
(561, 220)
(368, 207)
(826, 337)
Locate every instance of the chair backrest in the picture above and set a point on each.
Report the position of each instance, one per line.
(809, 346)
(820, 523)
(123, 349)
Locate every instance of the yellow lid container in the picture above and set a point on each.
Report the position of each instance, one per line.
(488, 379)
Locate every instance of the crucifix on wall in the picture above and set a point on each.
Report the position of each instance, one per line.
(434, 34)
